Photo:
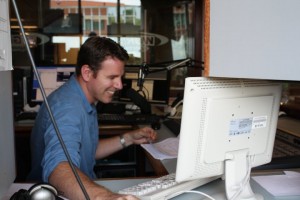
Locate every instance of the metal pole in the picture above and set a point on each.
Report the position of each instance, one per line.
(47, 104)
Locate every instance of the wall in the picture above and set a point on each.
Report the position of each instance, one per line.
(7, 151)
(253, 39)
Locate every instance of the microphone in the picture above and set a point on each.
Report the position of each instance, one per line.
(139, 100)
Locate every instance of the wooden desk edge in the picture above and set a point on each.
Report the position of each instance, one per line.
(157, 165)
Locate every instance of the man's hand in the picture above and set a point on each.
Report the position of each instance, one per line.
(111, 145)
(140, 136)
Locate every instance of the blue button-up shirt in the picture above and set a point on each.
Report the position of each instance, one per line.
(77, 122)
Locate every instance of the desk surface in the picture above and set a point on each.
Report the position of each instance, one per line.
(214, 187)
(211, 188)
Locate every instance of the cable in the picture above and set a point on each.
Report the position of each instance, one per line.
(142, 93)
(192, 191)
(47, 104)
(246, 179)
(201, 193)
(147, 93)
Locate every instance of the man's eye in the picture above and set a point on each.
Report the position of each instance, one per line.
(113, 77)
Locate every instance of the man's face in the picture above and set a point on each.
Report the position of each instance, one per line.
(107, 81)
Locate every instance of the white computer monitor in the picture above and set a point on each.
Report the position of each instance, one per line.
(228, 126)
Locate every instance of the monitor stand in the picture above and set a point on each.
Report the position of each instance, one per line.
(237, 178)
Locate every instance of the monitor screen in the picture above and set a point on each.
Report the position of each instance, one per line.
(52, 77)
(228, 126)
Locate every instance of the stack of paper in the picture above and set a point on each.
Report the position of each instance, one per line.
(287, 184)
(166, 149)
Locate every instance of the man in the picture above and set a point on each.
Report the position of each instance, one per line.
(100, 67)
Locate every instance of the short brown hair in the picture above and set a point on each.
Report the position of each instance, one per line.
(95, 50)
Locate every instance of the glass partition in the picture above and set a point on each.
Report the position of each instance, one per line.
(152, 31)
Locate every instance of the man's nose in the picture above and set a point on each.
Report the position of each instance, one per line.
(119, 84)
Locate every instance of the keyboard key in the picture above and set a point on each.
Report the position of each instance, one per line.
(163, 187)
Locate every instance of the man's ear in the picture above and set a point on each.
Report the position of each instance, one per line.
(86, 72)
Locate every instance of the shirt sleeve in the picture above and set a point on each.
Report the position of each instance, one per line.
(68, 122)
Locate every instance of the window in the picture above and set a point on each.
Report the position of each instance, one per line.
(151, 31)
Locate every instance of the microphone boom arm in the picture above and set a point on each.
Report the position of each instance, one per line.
(144, 70)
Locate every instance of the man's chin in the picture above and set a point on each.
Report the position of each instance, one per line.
(106, 100)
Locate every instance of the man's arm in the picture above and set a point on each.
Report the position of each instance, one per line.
(65, 182)
(111, 145)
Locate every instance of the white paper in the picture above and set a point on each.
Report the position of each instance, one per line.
(287, 184)
(166, 149)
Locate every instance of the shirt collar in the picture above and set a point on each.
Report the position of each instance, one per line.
(76, 86)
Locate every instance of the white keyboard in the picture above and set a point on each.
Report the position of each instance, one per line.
(164, 187)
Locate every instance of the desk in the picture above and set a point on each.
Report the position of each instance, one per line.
(213, 187)
(168, 166)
